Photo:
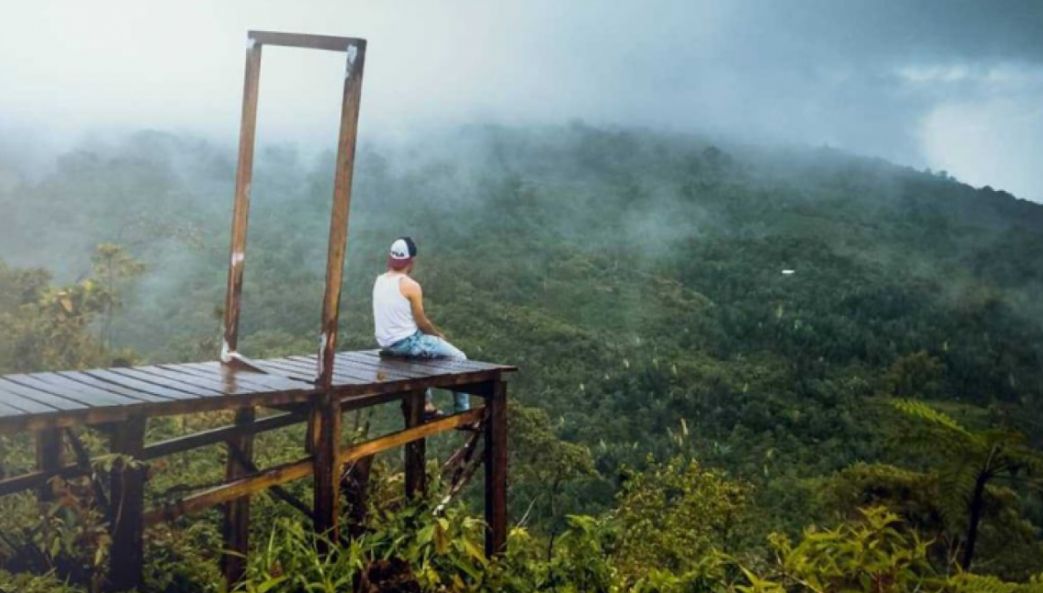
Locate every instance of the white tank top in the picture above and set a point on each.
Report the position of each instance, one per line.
(392, 313)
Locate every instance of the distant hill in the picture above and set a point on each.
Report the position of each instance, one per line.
(636, 277)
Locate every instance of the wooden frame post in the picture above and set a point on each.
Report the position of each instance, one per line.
(496, 469)
(325, 430)
(355, 50)
(241, 211)
(126, 555)
(48, 458)
(338, 241)
(236, 526)
(415, 452)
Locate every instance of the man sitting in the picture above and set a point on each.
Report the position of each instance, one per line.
(400, 325)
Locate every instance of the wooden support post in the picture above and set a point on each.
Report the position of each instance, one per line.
(48, 458)
(496, 469)
(127, 503)
(236, 526)
(325, 428)
(338, 242)
(415, 451)
(240, 214)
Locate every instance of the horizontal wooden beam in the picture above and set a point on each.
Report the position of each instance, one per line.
(36, 479)
(302, 40)
(219, 435)
(295, 470)
(408, 435)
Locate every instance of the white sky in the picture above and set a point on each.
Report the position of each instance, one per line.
(943, 84)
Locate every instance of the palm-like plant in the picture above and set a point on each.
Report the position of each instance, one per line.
(971, 463)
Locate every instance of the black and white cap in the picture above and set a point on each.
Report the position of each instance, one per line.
(402, 252)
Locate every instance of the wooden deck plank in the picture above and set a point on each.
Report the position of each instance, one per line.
(7, 410)
(135, 384)
(69, 398)
(257, 381)
(475, 365)
(341, 376)
(30, 401)
(406, 370)
(290, 373)
(83, 377)
(363, 374)
(89, 398)
(423, 367)
(277, 381)
(222, 387)
(66, 384)
(141, 375)
(229, 387)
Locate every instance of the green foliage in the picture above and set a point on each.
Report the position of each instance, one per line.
(30, 583)
(672, 515)
(871, 556)
(969, 465)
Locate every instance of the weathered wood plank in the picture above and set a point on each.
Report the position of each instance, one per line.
(232, 386)
(86, 379)
(44, 398)
(136, 384)
(342, 374)
(291, 373)
(326, 42)
(280, 474)
(472, 365)
(23, 400)
(266, 381)
(65, 385)
(425, 366)
(348, 373)
(396, 369)
(86, 396)
(7, 409)
(182, 386)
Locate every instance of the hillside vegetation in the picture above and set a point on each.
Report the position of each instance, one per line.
(743, 369)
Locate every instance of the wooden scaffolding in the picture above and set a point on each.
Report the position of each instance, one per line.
(315, 390)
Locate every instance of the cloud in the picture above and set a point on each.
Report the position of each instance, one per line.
(886, 78)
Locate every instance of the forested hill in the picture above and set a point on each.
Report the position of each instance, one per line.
(749, 307)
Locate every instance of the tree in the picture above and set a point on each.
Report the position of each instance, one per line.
(971, 462)
(112, 267)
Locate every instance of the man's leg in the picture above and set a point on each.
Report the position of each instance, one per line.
(435, 347)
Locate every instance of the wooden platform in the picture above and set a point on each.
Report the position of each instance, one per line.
(35, 401)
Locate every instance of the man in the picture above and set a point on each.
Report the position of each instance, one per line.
(400, 325)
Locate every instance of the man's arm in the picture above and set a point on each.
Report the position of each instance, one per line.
(411, 290)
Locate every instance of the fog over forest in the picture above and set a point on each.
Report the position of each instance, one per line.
(952, 85)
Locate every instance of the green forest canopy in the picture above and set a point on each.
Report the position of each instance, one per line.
(635, 277)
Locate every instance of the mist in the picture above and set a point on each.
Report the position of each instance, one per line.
(952, 86)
